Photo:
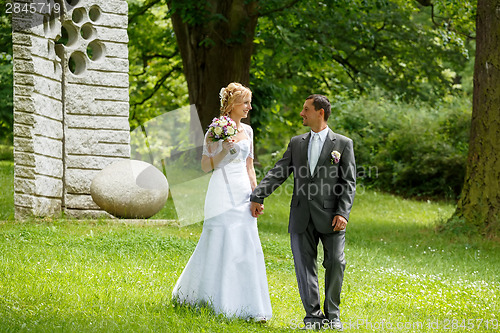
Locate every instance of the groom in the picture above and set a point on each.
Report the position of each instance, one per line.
(324, 171)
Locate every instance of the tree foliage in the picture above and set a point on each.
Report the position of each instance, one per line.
(340, 45)
(347, 49)
(6, 80)
(412, 149)
(157, 84)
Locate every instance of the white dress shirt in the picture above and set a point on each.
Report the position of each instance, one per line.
(322, 138)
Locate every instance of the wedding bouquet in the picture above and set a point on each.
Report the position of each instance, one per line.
(221, 129)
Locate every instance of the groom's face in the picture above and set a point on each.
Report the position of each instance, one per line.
(310, 116)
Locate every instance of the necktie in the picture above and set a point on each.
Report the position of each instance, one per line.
(314, 152)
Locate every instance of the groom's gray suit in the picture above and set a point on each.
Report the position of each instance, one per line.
(316, 200)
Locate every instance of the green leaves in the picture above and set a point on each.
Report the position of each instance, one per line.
(356, 45)
(157, 83)
(417, 150)
(192, 12)
(6, 80)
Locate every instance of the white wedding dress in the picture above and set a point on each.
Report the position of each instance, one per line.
(227, 270)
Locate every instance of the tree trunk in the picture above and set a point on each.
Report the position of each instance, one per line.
(216, 49)
(479, 204)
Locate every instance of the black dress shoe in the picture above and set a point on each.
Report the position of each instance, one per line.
(334, 324)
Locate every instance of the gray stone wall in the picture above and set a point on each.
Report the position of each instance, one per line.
(70, 103)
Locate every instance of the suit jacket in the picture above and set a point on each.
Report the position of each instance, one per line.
(328, 192)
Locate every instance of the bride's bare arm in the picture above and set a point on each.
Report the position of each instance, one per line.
(209, 163)
(251, 173)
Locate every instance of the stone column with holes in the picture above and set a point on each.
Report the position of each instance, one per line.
(70, 102)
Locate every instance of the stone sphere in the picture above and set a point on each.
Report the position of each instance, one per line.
(130, 189)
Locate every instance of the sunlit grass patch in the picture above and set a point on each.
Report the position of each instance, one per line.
(102, 275)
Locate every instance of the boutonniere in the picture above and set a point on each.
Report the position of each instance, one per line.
(335, 157)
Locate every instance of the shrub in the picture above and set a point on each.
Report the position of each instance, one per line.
(418, 150)
(414, 150)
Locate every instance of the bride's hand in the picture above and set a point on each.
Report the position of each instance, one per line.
(227, 145)
(256, 209)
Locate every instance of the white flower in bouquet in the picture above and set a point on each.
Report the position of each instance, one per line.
(222, 128)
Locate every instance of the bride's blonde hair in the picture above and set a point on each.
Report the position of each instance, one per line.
(232, 94)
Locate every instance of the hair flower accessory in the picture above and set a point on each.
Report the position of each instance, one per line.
(221, 96)
(335, 157)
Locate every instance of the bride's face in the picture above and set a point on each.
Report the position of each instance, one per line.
(242, 107)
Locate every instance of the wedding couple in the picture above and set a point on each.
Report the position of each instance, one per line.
(227, 270)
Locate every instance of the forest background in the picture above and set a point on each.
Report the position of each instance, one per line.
(398, 73)
(400, 78)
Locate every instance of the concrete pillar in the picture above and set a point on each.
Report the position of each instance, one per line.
(70, 102)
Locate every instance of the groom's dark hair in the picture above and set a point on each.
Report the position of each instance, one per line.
(321, 102)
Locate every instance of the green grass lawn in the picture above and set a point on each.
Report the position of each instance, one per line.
(79, 276)
(6, 184)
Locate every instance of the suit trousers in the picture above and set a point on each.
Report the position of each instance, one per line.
(305, 250)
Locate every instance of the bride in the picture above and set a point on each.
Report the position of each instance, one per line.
(226, 270)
